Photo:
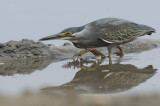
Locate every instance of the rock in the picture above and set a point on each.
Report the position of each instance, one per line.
(1, 45)
(23, 49)
(66, 44)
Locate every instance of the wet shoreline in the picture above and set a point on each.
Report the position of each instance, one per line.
(30, 55)
(29, 49)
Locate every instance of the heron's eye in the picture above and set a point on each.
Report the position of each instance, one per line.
(68, 33)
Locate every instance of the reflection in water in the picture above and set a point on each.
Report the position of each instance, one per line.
(10, 68)
(98, 78)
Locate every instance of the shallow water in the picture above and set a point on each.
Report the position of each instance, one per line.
(135, 73)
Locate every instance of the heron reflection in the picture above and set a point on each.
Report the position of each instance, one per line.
(98, 78)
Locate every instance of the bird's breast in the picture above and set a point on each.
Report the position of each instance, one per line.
(90, 43)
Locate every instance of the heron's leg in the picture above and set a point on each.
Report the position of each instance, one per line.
(109, 55)
(94, 51)
(121, 50)
(93, 66)
(97, 53)
(82, 52)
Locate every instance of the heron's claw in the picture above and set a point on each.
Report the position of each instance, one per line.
(120, 54)
(75, 57)
(121, 50)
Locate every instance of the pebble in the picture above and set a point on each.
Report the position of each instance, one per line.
(105, 71)
(1, 63)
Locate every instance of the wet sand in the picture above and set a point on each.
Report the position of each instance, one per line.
(46, 99)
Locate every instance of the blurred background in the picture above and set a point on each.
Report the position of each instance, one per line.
(34, 19)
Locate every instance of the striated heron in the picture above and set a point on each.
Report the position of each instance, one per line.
(107, 32)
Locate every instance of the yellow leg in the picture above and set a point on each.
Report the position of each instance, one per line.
(121, 50)
(109, 55)
(94, 51)
(97, 53)
(83, 52)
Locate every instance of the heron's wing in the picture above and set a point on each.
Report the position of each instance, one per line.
(123, 32)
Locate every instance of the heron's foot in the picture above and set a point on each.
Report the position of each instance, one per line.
(75, 58)
(121, 50)
(97, 53)
(93, 66)
(120, 54)
(82, 52)
(94, 51)
(78, 55)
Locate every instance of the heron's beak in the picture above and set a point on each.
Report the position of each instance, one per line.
(54, 37)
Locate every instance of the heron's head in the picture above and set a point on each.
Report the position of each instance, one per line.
(66, 34)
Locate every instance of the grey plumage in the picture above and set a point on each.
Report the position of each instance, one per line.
(73, 29)
(108, 32)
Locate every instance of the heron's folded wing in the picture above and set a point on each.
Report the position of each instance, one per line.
(123, 32)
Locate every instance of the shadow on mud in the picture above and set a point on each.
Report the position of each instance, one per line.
(96, 78)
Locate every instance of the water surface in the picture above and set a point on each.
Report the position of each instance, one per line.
(135, 73)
